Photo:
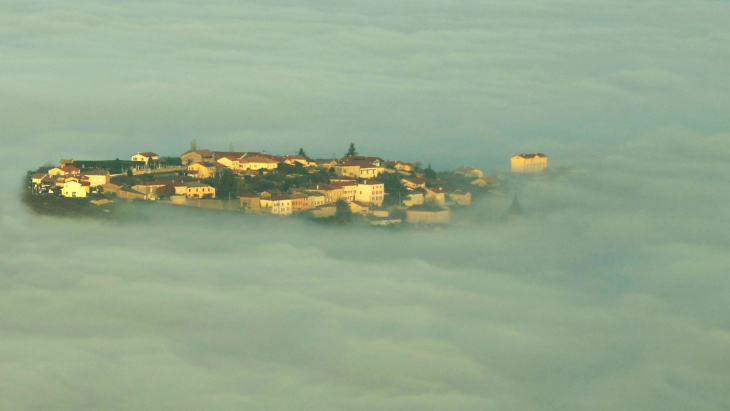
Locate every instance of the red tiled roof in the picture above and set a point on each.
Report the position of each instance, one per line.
(415, 180)
(69, 168)
(148, 154)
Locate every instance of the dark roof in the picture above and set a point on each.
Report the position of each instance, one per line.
(362, 158)
(277, 198)
(204, 153)
(147, 154)
(220, 154)
(532, 155)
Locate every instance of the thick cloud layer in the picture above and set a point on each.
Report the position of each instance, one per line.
(610, 294)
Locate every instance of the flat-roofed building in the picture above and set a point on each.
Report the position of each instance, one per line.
(281, 205)
(529, 163)
(428, 214)
(371, 192)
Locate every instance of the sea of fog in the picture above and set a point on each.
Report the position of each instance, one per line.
(610, 294)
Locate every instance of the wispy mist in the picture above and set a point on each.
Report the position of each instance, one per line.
(610, 294)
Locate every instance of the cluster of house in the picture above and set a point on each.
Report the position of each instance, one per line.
(353, 181)
(69, 181)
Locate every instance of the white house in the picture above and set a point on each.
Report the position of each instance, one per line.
(277, 205)
(146, 157)
(74, 189)
(371, 192)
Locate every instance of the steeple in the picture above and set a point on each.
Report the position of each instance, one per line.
(515, 211)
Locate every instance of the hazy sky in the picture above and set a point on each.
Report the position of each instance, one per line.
(445, 82)
(613, 293)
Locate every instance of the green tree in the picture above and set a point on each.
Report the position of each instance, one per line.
(165, 191)
(130, 173)
(429, 173)
(351, 151)
(226, 185)
(393, 187)
(302, 153)
(343, 214)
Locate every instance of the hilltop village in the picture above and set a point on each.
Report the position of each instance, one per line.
(366, 188)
